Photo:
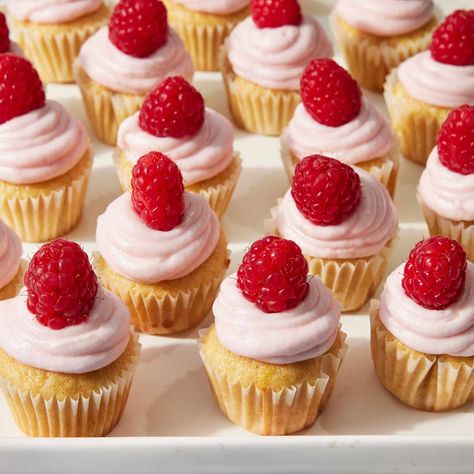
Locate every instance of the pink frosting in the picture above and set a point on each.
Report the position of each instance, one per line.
(143, 254)
(300, 333)
(217, 7)
(110, 67)
(435, 83)
(10, 254)
(51, 11)
(449, 194)
(366, 137)
(363, 234)
(275, 58)
(88, 346)
(199, 157)
(448, 331)
(40, 145)
(385, 17)
(15, 49)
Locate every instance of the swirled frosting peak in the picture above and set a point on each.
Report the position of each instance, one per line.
(216, 7)
(10, 254)
(294, 335)
(275, 58)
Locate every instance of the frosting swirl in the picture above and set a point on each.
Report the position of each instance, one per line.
(300, 333)
(110, 67)
(141, 253)
(364, 138)
(275, 58)
(363, 234)
(40, 145)
(10, 254)
(387, 17)
(51, 11)
(448, 331)
(88, 346)
(435, 83)
(199, 157)
(216, 7)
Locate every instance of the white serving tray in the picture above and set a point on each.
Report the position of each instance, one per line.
(171, 423)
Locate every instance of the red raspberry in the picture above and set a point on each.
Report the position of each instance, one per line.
(158, 191)
(275, 13)
(325, 190)
(61, 285)
(435, 272)
(273, 274)
(21, 90)
(329, 93)
(453, 40)
(455, 140)
(173, 109)
(139, 27)
(4, 34)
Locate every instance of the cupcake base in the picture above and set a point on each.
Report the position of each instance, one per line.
(13, 287)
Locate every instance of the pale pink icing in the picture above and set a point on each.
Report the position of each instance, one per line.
(294, 335)
(51, 11)
(448, 331)
(110, 67)
(217, 7)
(10, 254)
(363, 234)
(275, 58)
(15, 49)
(364, 138)
(449, 194)
(40, 145)
(88, 346)
(199, 157)
(146, 255)
(385, 17)
(435, 83)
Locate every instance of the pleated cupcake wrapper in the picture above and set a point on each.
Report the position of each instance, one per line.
(273, 412)
(419, 380)
(218, 196)
(12, 288)
(386, 174)
(90, 414)
(461, 231)
(370, 63)
(49, 215)
(417, 128)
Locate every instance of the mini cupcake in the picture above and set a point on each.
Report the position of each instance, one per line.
(161, 249)
(51, 32)
(423, 90)
(263, 59)
(121, 63)
(377, 35)
(45, 158)
(273, 355)
(336, 121)
(446, 190)
(345, 223)
(174, 121)
(11, 264)
(204, 25)
(67, 353)
(422, 334)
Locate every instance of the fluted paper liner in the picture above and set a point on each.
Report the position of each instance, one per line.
(423, 381)
(13, 287)
(90, 414)
(50, 214)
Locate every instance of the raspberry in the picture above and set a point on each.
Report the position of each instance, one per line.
(139, 27)
(275, 13)
(273, 274)
(61, 285)
(435, 272)
(21, 90)
(4, 34)
(325, 190)
(329, 93)
(455, 140)
(173, 109)
(453, 40)
(158, 191)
